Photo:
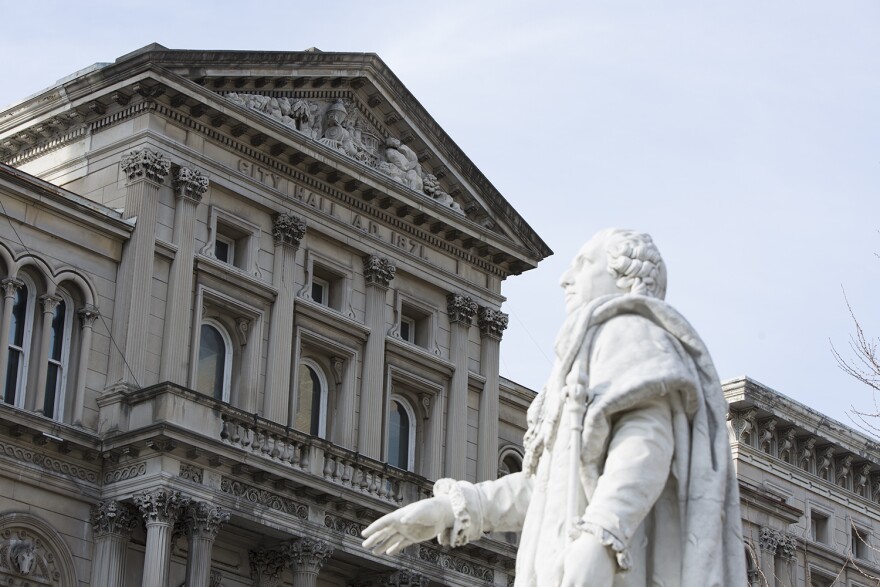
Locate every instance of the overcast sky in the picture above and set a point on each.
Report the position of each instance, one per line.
(744, 136)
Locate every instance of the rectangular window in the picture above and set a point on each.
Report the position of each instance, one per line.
(327, 287)
(321, 291)
(818, 527)
(224, 249)
(859, 542)
(415, 325)
(408, 329)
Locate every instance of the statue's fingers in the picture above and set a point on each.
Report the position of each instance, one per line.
(399, 545)
(375, 541)
(379, 524)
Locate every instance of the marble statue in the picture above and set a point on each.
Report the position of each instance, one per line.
(337, 135)
(627, 479)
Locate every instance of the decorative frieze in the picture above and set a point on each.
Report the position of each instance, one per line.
(48, 463)
(458, 564)
(113, 517)
(288, 229)
(191, 473)
(461, 309)
(146, 164)
(492, 322)
(125, 473)
(378, 270)
(203, 519)
(343, 526)
(190, 183)
(307, 554)
(161, 505)
(261, 497)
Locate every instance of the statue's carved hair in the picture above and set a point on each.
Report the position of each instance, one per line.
(635, 261)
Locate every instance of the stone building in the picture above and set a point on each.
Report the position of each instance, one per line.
(252, 302)
(810, 492)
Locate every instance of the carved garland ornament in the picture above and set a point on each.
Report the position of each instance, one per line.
(146, 164)
(288, 229)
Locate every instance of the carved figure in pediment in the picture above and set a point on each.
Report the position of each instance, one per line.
(307, 116)
(336, 135)
(23, 555)
(432, 188)
(403, 164)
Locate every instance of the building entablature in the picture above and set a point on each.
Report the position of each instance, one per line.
(400, 168)
(764, 421)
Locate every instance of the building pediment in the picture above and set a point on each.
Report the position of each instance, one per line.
(343, 119)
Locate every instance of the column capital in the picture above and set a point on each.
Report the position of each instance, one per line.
(307, 554)
(492, 322)
(87, 315)
(204, 520)
(113, 517)
(461, 309)
(378, 270)
(769, 539)
(288, 229)
(190, 184)
(11, 285)
(145, 164)
(266, 567)
(161, 505)
(50, 302)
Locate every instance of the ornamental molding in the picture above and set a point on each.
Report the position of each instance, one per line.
(145, 164)
(288, 229)
(191, 473)
(113, 517)
(307, 554)
(492, 322)
(264, 498)
(204, 520)
(190, 183)
(455, 563)
(343, 526)
(125, 473)
(461, 309)
(48, 463)
(378, 270)
(161, 506)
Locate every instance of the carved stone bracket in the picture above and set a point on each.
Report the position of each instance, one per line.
(766, 430)
(204, 520)
(190, 183)
(87, 316)
(146, 164)
(492, 323)
(288, 229)
(307, 554)
(743, 424)
(113, 517)
(378, 270)
(462, 309)
(161, 505)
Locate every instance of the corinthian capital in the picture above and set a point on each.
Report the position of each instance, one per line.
(266, 567)
(113, 517)
(146, 164)
(87, 315)
(204, 520)
(288, 229)
(190, 183)
(10, 286)
(161, 505)
(308, 554)
(378, 270)
(492, 323)
(461, 309)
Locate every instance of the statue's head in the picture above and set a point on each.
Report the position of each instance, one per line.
(336, 113)
(614, 261)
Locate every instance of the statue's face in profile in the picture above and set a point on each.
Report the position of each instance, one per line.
(588, 276)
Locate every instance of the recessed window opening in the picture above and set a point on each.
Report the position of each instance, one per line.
(224, 249)
(311, 406)
(321, 291)
(19, 342)
(401, 435)
(818, 527)
(215, 361)
(59, 350)
(415, 325)
(859, 542)
(408, 329)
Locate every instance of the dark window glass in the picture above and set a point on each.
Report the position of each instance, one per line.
(318, 292)
(19, 312)
(398, 439)
(221, 251)
(12, 369)
(405, 331)
(57, 341)
(15, 364)
(212, 362)
(308, 409)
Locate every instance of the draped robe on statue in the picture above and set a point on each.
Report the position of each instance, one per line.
(657, 483)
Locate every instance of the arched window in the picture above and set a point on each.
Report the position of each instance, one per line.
(215, 361)
(59, 351)
(19, 342)
(511, 462)
(311, 400)
(401, 434)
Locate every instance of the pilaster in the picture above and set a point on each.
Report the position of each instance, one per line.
(145, 170)
(189, 185)
(378, 273)
(112, 523)
(160, 509)
(306, 557)
(10, 288)
(287, 231)
(203, 522)
(461, 310)
(492, 324)
(49, 304)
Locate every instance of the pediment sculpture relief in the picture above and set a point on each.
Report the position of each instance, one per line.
(24, 555)
(338, 125)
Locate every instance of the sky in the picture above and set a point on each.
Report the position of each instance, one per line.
(744, 136)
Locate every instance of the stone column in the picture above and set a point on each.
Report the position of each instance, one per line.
(203, 522)
(306, 557)
(189, 185)
(461, 311)
(160, 508)
(287, 230)
(112, 523)
(378, 273)
(266, 567)
(10, 287)
(49, 304)
(145, 171)
(492, 324)
(87, 316)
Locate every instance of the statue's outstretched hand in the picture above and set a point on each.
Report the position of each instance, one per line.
(417, 522)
